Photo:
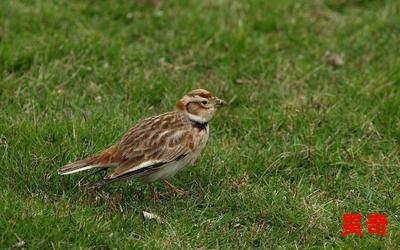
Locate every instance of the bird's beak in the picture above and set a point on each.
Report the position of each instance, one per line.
(219, 103)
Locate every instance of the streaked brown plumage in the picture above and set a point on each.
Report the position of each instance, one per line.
(159, 146)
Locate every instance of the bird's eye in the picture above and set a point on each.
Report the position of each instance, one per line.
(204, 102)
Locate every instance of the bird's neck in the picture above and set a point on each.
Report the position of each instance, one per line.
(196, 121)
(199, 125)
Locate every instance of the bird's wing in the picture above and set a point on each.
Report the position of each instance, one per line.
(151, 144)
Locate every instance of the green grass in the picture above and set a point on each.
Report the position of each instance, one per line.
(301, 143)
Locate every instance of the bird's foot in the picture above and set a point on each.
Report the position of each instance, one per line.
(175, 189)
(156, 195)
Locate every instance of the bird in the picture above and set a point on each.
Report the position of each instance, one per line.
(158, 147)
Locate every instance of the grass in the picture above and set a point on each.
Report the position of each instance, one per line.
(302, 142)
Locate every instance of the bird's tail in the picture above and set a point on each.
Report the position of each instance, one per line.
(77, 166)
(105, 159)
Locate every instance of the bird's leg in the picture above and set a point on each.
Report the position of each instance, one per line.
(175, 189)
(156, 196)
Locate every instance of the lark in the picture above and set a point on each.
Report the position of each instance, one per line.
(158, 147)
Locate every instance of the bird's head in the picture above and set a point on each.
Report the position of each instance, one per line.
(199, 105)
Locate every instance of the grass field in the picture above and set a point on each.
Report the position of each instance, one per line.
(311, 132)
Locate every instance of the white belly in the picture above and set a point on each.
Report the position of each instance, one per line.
(166, 171)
